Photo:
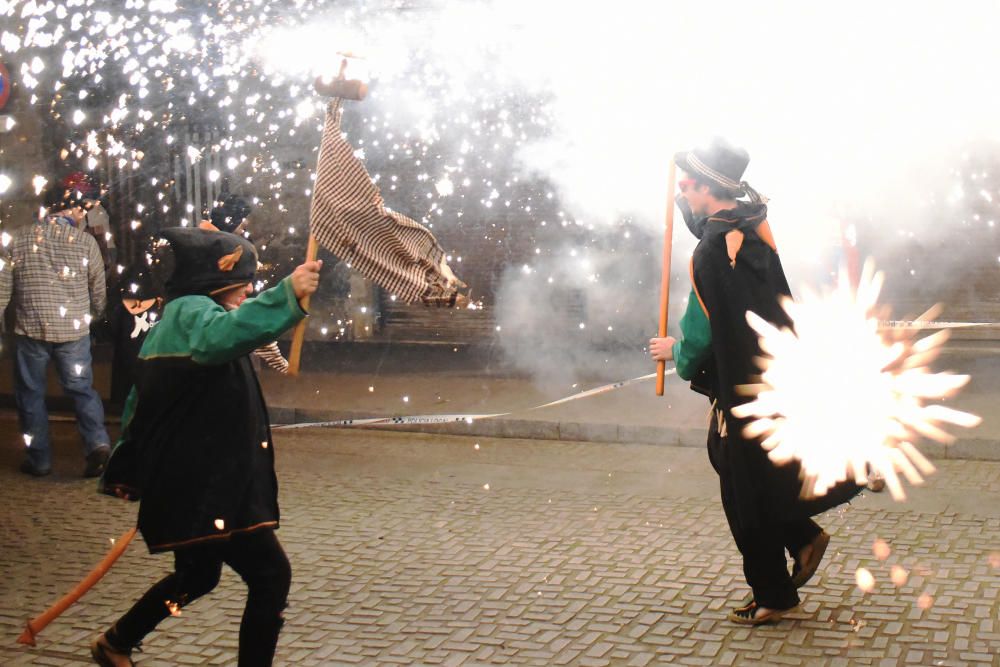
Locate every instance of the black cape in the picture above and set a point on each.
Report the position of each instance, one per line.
(755, 282)
(196, 448)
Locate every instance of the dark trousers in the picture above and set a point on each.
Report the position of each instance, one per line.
(256, 556)
(764, 541)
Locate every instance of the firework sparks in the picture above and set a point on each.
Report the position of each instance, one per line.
(844, 398)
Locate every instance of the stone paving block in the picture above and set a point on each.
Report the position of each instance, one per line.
(645, 580)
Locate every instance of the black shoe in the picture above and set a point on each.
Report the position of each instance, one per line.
(96, 460)
(28, 468)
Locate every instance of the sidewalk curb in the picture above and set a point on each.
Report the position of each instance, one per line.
(967, 449)
(973, 449)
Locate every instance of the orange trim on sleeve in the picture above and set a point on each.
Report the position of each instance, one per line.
(764, 232)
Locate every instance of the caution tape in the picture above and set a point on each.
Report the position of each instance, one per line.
(466, 418)
(921, 324)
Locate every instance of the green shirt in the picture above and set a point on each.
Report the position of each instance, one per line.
(695, 344)
(198, 328)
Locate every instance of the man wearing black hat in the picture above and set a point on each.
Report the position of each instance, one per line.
(735, 269)
(55, 274)
(196, 447)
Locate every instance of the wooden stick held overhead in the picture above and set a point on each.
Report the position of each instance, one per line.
(299, 335)
(668, 240)
(37, 624)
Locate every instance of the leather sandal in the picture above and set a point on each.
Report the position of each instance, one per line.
(104, 654)
(802, 572)
(749, 616)
(807, 569)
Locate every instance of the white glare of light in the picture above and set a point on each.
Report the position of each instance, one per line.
(305, 109)
(5, 183)
(865, 580)
(79, 116)
(871, 403)
(445, 187)
(213, 175)
(38, 182)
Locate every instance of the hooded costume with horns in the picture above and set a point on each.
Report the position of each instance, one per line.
(196, 445)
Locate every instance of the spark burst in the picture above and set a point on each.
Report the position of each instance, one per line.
(843, 397)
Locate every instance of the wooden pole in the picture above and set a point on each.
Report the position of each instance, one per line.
(668, 240)
(299, 335)
(38, 623)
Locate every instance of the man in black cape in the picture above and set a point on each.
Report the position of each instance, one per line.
(734, 269)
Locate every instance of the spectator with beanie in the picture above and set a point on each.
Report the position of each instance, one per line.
(231, 215)
(196, 447)
(54, 273)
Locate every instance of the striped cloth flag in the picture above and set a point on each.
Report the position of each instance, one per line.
(349, 218)
(272, 356)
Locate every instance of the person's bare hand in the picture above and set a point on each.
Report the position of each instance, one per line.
(662, 349)
(305, 278)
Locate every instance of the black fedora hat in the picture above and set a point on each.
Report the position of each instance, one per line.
(720, 162)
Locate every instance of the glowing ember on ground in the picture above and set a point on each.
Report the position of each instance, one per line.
(925, 601)
(995, 560)
(841, 396)
(865, 580)
(175, 608)
(881, 549)
(899, 575)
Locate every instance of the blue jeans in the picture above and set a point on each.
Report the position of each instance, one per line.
(73, 365)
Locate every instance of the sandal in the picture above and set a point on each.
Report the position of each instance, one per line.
(807, 569)
(748, 615)
(106, 655)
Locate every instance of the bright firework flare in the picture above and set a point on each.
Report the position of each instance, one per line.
(843, 397)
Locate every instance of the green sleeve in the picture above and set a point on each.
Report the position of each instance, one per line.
(217, 335)
(129, 410)
(695, 344)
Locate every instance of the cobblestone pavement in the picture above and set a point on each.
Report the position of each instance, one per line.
(415, 549)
